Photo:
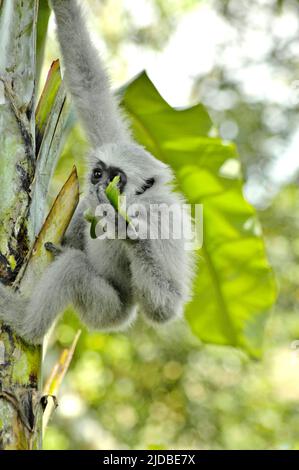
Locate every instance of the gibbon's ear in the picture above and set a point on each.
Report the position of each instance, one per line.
(149, 183)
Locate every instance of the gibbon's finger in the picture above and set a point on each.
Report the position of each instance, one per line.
(56, 250)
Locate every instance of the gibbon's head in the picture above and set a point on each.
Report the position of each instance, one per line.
(138, 170)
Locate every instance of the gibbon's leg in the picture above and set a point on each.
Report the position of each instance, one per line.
(159, 291)
(69, 279)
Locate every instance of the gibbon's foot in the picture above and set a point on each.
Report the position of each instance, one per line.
(56, 250)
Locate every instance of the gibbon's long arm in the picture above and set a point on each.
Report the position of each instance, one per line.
(86, 77)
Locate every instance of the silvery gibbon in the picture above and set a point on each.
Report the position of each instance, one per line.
(105, 279)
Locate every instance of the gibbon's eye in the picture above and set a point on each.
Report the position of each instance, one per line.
(148, 184)
(96, 175)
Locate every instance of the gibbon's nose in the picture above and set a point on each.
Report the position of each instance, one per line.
(112, 173)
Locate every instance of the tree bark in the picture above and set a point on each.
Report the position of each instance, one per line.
(19, 363)
(27, 159)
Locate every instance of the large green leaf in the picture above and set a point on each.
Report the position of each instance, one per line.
(234, 287)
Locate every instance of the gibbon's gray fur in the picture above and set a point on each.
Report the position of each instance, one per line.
(107, 279)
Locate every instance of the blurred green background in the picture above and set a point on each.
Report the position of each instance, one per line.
(163, 389)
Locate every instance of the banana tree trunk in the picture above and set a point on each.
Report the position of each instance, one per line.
(29, 146)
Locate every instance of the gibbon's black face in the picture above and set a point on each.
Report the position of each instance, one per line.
(102, 175)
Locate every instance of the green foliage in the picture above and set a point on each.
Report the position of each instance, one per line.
(42, 28)
(93, 221)
(234, 288)
(47, 99)
(162, 388)
(114, 196)
(113, 193)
